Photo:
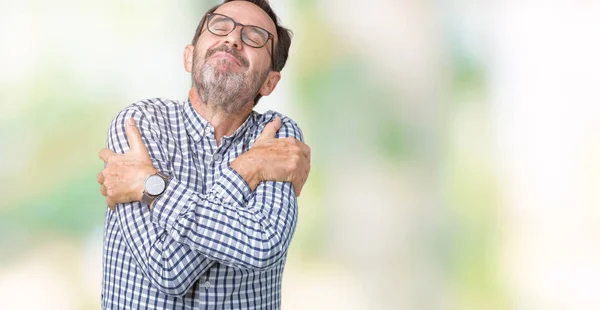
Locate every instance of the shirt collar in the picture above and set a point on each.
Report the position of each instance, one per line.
(195, 124)
(198, 128)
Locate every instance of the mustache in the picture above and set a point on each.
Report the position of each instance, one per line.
(231, 51)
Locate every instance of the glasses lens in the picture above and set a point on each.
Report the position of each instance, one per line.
(254, 36)
(220, 25)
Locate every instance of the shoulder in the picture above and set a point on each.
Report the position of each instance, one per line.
(149, 114)
(289, 128)
(153, 117)
(152, 110)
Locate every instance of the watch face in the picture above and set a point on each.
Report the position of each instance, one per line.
(155, 185)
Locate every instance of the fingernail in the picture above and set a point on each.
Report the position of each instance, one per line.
(130, 121)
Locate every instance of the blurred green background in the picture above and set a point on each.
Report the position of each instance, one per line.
(455, 147)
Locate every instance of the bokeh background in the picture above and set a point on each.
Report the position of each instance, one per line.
(455, 144)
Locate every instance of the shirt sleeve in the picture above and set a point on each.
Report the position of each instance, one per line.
(172, 267)
(231, 224)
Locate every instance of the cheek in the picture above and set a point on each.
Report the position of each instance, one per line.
(205, 44)
(258, 61)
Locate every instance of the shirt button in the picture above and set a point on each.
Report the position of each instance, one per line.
(207, 284)
(217, 158)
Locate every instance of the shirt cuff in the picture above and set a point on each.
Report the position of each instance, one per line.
(174, 201)
(232, 188)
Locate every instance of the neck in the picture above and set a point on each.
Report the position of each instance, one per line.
(224, 123)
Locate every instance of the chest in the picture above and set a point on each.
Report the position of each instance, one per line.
(198, 164)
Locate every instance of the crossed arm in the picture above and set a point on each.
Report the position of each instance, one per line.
(243, 221)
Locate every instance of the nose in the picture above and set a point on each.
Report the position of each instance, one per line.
(234, 38)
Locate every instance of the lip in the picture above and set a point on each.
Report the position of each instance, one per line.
(226, 55)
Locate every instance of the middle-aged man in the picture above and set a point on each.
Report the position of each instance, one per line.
(202, 193)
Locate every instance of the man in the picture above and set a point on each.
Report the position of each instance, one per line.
(202, 193)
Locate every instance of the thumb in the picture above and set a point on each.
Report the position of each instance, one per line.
(133, 136)
(270, 130)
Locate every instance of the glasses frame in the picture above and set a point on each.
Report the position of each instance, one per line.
(271, 37)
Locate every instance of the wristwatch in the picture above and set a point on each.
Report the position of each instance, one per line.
(154, 186)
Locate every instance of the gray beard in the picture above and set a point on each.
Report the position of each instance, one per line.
(226, 91)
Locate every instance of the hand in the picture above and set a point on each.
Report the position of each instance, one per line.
(122, 180)
(271, 159)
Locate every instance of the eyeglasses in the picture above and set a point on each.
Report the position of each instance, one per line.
(253, 36)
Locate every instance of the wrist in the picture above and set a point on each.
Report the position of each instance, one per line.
(247, 169)
(144, 176)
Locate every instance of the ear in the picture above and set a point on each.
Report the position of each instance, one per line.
(188, 58)
(270, 83)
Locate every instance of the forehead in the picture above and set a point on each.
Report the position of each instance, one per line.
(247, 13)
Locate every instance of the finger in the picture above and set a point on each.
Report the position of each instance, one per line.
(301, 181)
(105, 154)
(302, 166)
(305, 150)
(103, 190)
(297, 188)
(270, 129)
(100, 178)
(111, 205)
(134, 137)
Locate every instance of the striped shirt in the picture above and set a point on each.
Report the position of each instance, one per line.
(209, 241)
